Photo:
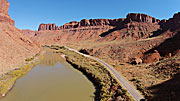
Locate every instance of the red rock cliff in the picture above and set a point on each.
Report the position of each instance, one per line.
(4, 16)
(47, 27)
(102, 22)
(141, 18)
(173, 23)
(82, 23)
(15, 47)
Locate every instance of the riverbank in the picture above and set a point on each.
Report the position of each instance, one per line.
(107, 86)
(8, 79)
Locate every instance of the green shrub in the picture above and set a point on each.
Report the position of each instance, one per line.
(29, 59)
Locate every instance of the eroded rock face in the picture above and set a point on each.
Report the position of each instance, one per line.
(15, 47)
(72, 24)
(132, 17)
(47, 27)
(152, 57)
(173, 23)
(83, 23)
(141, 18)
(134, 27)
(4, 6)
(4, 16)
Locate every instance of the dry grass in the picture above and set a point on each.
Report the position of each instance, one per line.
(7, 80)
(146, 76)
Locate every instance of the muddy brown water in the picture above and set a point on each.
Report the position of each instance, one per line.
(52, 80)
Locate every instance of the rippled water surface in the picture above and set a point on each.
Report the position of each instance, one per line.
(52, 80)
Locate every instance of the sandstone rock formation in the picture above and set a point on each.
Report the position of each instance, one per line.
(82, 23)
(130, 29)
(4, 6)
(101, 22)
(47, 27)
(135, 26)
(171, 30)
(173, 23)
(152, 57)
(4, 16)
(137, 61)
(141, 18)
(15, 47)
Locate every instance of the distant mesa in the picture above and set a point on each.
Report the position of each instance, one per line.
(82, 23)
(137, 17)
(47, 27)
(141, 18)
(135, 25)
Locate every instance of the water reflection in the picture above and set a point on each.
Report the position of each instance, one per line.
(52, 80)
(51, 59)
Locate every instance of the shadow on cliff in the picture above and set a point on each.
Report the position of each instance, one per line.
(170, 45)
(157, 33)
(109, 31)
(166, 91)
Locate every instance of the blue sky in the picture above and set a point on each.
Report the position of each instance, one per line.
(28, 14)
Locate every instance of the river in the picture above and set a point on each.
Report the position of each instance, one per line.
(52, 80)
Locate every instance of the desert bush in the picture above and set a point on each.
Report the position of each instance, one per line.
(29, 59)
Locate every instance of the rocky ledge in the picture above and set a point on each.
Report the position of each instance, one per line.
(173, 23)
(141, 18)
(82, 23)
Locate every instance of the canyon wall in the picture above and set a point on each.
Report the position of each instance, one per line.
(82, 23)
(141, 18)
(102, 22)
(15, 47)
(134, 27)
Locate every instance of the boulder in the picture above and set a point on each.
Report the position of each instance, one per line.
(152, 57)
(84, 51)
(136, 61)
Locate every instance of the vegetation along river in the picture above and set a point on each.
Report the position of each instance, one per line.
(52, 80)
